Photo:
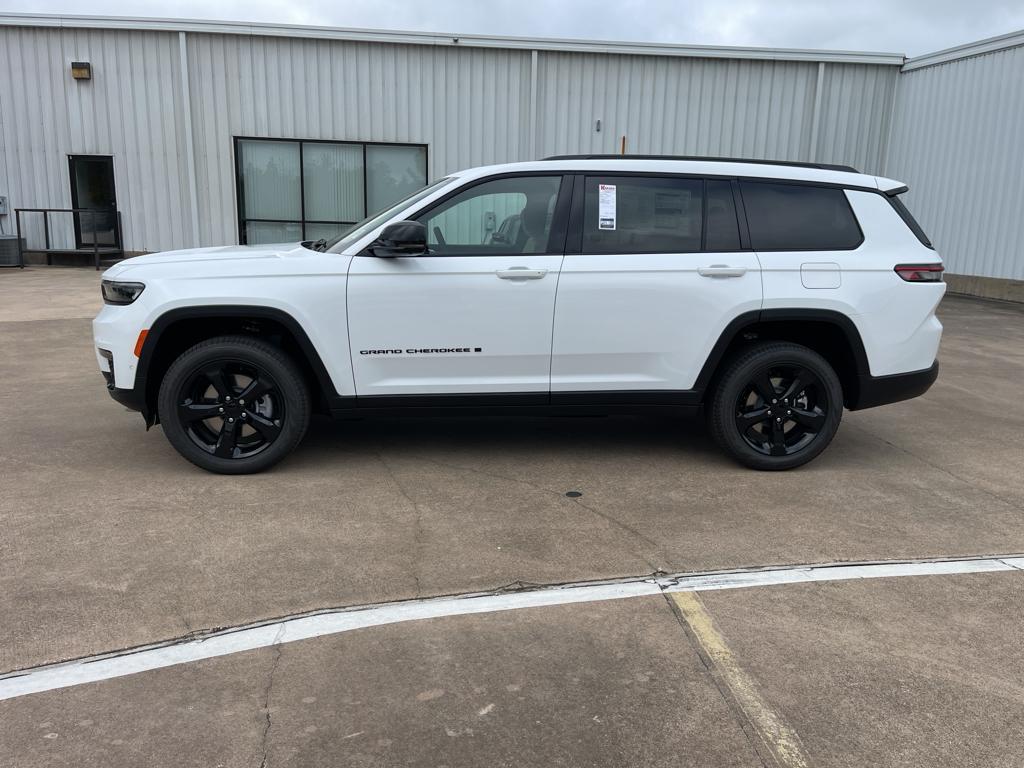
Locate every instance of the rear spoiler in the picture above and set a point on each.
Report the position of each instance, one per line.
(891, 187)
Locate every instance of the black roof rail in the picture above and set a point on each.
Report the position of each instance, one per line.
(794, 163)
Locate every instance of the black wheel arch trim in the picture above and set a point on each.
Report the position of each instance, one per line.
(754, 317)
(241, 311)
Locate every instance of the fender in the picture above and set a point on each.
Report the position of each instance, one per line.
(748, 319)
(140, 392)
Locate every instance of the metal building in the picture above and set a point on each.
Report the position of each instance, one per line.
(207, 133)
(958, 140)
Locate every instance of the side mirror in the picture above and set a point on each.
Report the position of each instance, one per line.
(403, 238)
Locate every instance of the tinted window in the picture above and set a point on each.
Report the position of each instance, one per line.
(642, 215)
(722, 231)
(911, 222)
(511, 215)
(797, 217)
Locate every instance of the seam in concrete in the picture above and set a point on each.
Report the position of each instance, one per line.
(288, 629)
(776, 736)
(749, 733)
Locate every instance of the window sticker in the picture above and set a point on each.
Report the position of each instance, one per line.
(606, 206)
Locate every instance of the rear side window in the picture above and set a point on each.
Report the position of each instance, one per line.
(799, 217)
(633, 214)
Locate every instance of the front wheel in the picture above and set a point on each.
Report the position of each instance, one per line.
(234, 405)
(777, 406)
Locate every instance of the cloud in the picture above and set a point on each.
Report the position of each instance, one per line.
(908, 26)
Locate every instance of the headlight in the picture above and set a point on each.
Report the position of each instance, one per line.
(120, 293)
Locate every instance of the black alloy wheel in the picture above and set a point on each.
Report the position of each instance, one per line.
(781, 409)
(776, 406)
(234, 405)
(232, 409)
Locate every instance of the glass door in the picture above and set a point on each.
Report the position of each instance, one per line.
(92, 187)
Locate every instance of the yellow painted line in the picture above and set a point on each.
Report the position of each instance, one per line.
(778, 737)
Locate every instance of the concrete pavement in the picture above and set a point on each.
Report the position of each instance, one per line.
(111, 540)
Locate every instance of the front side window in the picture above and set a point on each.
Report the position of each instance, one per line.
(624, 214)
(504, 216)
(308, 190)
(799, 217)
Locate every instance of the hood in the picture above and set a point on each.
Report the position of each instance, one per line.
(216, 253)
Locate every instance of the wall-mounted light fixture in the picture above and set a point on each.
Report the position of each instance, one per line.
(81, 70)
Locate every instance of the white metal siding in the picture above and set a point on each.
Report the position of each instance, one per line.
(131, 109)
(957, 142)
(757, 109)
(854, 117)
(470, 106)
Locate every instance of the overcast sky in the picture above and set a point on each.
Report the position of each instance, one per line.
(912, 27)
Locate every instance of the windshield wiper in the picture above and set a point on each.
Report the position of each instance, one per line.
(316, 245)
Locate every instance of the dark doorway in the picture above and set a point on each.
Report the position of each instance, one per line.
(92, 187)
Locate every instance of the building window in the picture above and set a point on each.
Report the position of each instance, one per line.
(307, 190)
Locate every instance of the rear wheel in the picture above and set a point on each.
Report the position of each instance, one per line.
(233, 405)
(777, 406)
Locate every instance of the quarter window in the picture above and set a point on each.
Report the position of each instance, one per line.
(510, 215)
(307, 190)
(799, 217)
(624, 214)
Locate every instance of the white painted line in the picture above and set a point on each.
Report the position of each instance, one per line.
(303, 627)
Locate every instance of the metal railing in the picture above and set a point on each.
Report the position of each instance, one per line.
(96, 250)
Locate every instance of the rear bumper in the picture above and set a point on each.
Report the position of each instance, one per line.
(880, 390)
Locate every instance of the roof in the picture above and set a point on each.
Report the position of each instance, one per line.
(438, 39)
(978, 48)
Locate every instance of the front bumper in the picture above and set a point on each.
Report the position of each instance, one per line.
(129, 398)
(881, 390)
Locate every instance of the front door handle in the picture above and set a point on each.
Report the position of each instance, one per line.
(722, 270)
(521, 273)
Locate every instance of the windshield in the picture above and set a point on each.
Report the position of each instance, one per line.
(343, 241)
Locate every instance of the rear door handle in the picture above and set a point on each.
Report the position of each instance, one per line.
(722, 270)
(521, 273)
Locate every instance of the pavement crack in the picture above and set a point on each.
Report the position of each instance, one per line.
(264, 741)
(418, 524)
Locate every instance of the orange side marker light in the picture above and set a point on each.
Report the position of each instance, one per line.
(140, 342)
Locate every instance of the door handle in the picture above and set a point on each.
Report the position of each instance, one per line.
(722, 270)
(521, 273)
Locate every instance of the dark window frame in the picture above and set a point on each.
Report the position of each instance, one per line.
(303, 221)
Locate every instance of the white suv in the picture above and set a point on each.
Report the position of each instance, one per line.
(770, 294)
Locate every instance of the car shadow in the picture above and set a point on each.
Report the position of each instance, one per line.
(682, 433)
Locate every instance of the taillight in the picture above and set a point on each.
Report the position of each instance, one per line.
(920, 273)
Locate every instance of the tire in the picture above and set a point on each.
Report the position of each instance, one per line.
(746, 417)
(207, 417)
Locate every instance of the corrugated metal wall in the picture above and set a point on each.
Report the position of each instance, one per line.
(958, 141)
(131, 109)
(470, 105)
